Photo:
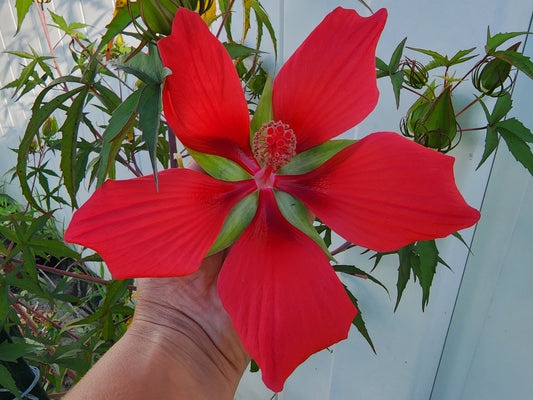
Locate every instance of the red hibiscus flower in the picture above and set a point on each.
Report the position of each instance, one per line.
(277, 284)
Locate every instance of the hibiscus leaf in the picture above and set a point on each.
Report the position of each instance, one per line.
(7, 381)
(358, 321)
(314, 157)
(119, 22)
(220, 167)
(354, 271)
(149, 110)
(429, 258)
(40, 113)
(69, 140)
(519, 148)
(404, 271)
(147, 67)
(120, 123)
(236, 50)
(491, 142)
(396, 56)
(263, 112)
(263, 19)
(296, 213)
(22, 7)
(235, 223)
(494, 41)
(520, 61)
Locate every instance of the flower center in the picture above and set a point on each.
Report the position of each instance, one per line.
(274, 145)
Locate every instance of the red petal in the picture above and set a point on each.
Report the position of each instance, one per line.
(203, 99)
(140, 232)
(384, 192)
(282, 294)
(329, 84)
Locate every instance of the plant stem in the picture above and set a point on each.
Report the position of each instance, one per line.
(226, 16)
(415, 92)
(172, 147)
(42, 17)
(343, 247)
(58, 271)
(470, 105)
(38, 314)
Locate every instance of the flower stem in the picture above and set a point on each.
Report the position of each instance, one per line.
(82, 277)
(226, 16)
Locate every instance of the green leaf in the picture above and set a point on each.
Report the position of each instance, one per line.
(40, 112)
(22, 9)
(494, 41)
(220, 167)
(237, 50)
(353, 270)
(7, 381)
(296, 213)
(396, 56)
(429, 258)
(235, 223)
(397, 83)
(119, 22)
(520, 150)
(515, 127)
(263, 112)
(491, 142)
(404, 271)
(147, 67)
(520, 61)
(358, 321)
(263, 19)
(149, 109)
(120, 123)
(12, 351)
(314, 157)
(69, 140)
(501, 108)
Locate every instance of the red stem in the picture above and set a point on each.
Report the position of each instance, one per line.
(75, 275)
(226, 15)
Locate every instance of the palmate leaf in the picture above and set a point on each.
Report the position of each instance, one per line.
(494, 41)
(123, 17)
(443, 61)
(40, 112)
(7, 381)
(517, 137)
(69, 140)
(358, 321)
(22, 7)
(120, 123)
(520, 61)
(263, 19)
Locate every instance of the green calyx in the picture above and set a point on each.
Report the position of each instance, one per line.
(219, 167)
(297, 214)
(431, 120)
(235, 223)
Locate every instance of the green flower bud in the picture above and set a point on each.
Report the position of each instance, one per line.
(431, 120)
(158, 14)
(416, 74)
(491, 77)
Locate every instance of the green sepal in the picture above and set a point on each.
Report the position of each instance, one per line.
(263, 112)
(296, 213)
(219, 167)
(314, 157)
(236, 222)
